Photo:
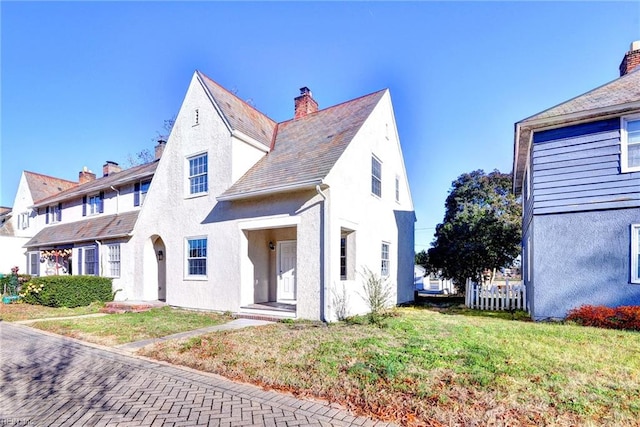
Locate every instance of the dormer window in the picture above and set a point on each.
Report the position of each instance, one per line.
(630, 144)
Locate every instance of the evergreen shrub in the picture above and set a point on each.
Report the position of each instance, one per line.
(67, 291)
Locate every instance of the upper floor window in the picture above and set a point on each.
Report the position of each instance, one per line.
(93, 204)
(23, 220)
(140, 191)
(635, 253)
(54, 214)
(630, 144)
(198, 170)
(384, 269)
(376, 176)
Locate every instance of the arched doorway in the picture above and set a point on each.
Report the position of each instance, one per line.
(160, 252)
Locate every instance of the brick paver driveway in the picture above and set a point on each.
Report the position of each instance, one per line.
(53, 381)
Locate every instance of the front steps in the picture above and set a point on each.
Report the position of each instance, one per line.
(118, 307)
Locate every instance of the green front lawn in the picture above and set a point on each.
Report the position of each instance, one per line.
(115, 329)
(427, 367)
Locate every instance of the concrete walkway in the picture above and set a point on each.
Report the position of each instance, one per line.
(234, 324)
(49, 380)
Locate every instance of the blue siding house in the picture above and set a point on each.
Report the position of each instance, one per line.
(577, 169)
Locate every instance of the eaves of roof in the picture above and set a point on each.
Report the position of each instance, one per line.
(91, 229)
(618, 97)
(115, 179)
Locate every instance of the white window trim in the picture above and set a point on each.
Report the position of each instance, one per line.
(373, 156)
(623, 144)
(635, 241)
(188, 276)
(388, 273)
(90, 205)
(108, 247)
(187, 176)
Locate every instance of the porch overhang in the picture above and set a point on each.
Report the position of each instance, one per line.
(307, 185)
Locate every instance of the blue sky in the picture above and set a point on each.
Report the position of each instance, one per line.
(86, 82)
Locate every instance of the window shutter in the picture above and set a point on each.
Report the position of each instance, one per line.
(59, 212)
(37, 272)
(84, 207)
(46, 220)
(80, 260)
(101, 203)
(136, 194)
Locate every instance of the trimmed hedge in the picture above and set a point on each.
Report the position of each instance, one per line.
(623, 317)
(67, 291)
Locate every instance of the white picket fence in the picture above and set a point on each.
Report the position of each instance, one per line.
(510, 296)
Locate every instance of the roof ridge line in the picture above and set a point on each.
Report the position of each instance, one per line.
(337, 105)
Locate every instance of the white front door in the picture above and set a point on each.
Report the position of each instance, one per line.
(286, 270)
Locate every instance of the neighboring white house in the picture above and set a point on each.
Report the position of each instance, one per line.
(19, 223)
(88, 228)
(247, 215)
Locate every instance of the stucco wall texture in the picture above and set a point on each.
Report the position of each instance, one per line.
(586, 262)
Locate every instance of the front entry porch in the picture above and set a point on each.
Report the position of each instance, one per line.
(269, 285)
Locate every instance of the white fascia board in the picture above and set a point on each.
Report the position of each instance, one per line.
(551, 122)
(272, 190)
(270, 222)
(246, 138)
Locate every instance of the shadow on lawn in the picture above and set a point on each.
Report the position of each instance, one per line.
(453, 305)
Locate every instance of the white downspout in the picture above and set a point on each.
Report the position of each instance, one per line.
(117, 199)
(99, 257)
(325, 285)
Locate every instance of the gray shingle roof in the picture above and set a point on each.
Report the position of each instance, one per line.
(622, 90)
(118, 178)
(619, 96)
(43, 186)
(306, 149)
(240, 115)
(96, 228)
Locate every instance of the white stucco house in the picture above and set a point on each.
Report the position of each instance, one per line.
(18, 223)
(240, 213)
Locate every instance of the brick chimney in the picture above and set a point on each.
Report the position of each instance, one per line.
(631, 59)
(305, 104)
(86, 175)
(110, 167)
(160, 148)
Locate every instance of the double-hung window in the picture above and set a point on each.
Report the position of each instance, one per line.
(376, 176)
(635, 253)
(93, 204)
(384, 269)
(140, 190)
(54, 213)
(630, 144)
(90, 261)
(113, 253)
(197, 256)
(198, 171)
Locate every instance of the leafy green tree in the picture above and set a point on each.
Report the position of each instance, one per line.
(481, 230)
